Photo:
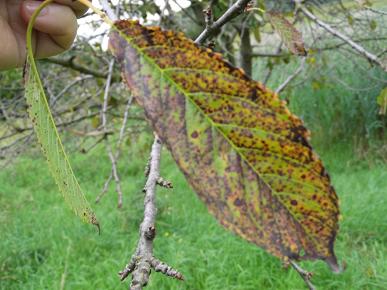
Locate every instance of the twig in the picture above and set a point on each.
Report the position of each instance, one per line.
(59, 125)
(116, 176)
(105, 188)
(270, 71)
(164, 183)
(109, 149)
(304, 274)
(86, 150)
(377, 11)
(236, 9)
(64, 274)
(118, 150)
(361, 50)
(70, 63)
(159, 266)
(291, 77)
(186, 13)
(316, 48)
(208, 17)
(142, 261)
(113, 15)
(68, 87)
(109, 11)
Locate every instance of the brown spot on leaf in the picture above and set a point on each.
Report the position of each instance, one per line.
(195, 134)
(238, 202)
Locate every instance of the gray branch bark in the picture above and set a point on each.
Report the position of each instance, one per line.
(245, 51)
(357, 47)
(144, 250)
(72, 64)
(143, 260)
(291, 77)
(305, 275)
(236, 9)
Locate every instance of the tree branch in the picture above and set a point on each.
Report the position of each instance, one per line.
(291, 77)
(236, 9)
(377, 11)
(304, 274)
(270, 71)
(316, 48)
(143, 261)
(118, 150)
(109, 11)
(361, 50)
(109, 149)
(70, 63)
(113, 15)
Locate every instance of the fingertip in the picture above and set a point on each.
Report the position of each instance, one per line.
(57, 21)
(27, 8)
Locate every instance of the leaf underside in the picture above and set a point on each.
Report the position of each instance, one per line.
(242, 151)
(52, 147)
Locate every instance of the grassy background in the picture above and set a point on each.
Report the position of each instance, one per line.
(44, 246)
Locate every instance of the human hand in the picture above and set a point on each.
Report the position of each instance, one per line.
(55, 29)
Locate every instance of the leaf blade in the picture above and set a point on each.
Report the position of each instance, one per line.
(48, 136)
(291, 37)
(190, 97)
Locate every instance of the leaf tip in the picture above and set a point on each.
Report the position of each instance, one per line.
(96, 223)
(332, 263)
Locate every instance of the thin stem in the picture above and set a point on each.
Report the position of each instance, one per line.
(236, 9)
(304, 274)
(361, 50)
(292, 76)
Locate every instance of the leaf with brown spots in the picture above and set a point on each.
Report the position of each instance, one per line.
(291, 37)
(240, 148)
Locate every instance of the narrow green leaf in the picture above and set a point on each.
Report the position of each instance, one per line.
(382, 101)
(350, 20)
(48, 136)
(373, 24)
(257, 33)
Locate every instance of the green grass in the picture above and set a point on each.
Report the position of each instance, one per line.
(44, 246)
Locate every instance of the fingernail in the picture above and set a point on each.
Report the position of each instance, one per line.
(31, 6)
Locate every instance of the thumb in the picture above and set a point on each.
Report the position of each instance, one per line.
(57, 24)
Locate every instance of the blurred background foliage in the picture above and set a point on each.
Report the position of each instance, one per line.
(335, 93)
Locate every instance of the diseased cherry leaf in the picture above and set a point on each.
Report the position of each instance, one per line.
(240, 148)
(291, 37)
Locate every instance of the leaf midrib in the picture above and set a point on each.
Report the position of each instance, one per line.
(152, 63)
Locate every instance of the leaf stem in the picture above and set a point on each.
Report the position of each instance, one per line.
(99, 12)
